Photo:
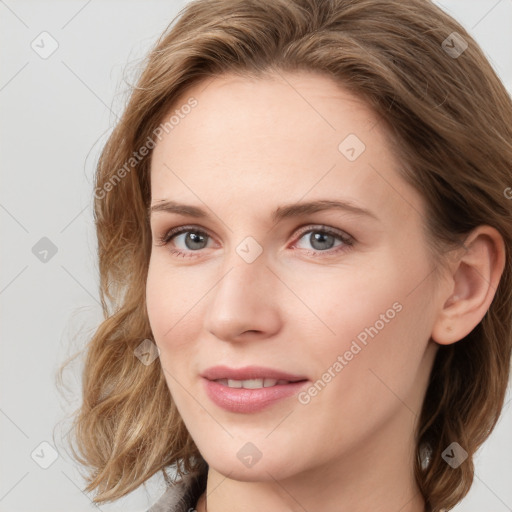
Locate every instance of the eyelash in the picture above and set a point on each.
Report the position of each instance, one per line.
(347, 240)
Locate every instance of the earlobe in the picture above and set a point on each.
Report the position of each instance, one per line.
(473, 284)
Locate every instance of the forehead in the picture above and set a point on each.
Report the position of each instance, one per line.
(268, 112)
(286, 135)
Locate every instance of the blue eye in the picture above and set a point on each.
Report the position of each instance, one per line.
(321, 238)
(194, 239)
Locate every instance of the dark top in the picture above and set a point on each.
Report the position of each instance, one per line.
(182, 496)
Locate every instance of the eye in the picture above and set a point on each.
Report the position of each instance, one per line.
(321, 238)
(194, 239)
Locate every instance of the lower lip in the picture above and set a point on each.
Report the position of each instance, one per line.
(249, 400)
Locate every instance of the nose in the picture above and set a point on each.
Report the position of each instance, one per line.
(244, 304)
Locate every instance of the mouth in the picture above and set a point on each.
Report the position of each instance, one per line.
(249, 389)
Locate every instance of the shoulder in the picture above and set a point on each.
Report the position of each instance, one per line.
(182, 495)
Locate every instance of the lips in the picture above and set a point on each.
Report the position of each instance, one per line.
(249, 389)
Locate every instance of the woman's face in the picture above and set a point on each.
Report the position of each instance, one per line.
(293, 333)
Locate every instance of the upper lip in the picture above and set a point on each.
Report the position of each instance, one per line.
(249, 372)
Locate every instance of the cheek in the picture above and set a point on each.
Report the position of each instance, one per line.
(372, 368)
(164, 313)
(171, 294)
(378, 319)
(359, 327)
(156, 300)
(174, 306)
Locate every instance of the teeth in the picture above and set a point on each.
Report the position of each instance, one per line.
(251, 383)
(234, 383)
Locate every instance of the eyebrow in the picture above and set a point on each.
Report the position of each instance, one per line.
(282, 212)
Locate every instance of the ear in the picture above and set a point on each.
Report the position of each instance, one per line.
(473, 280)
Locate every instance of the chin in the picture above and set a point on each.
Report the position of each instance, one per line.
(248, 462)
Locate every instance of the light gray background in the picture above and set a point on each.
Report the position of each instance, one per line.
(56, 114)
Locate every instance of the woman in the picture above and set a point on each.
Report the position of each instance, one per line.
(305, 244)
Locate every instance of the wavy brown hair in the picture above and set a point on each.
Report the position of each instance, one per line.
(450, 120)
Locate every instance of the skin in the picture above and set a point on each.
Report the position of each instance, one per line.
(249, 146)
